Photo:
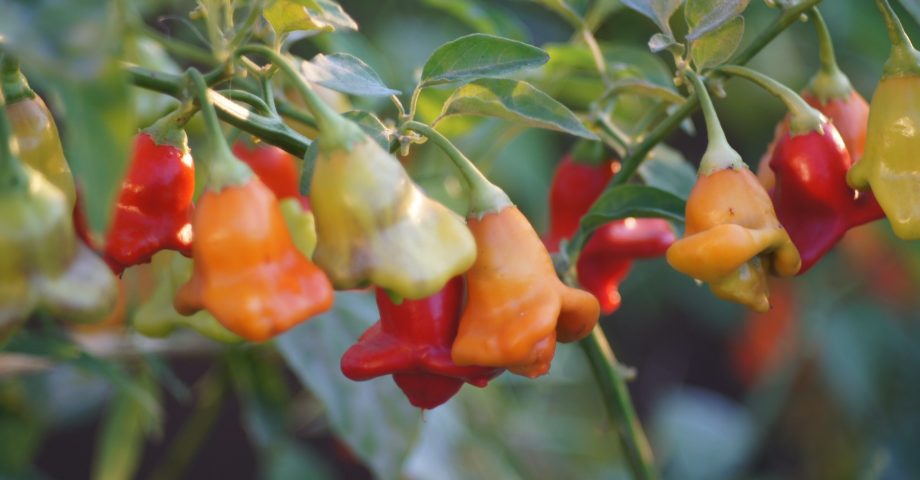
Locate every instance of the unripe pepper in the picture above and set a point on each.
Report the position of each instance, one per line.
(517, 308)
(248, 272)
(810, 162)
(412, 342)
(154, 208)
(889, 167)
(732, 238)
(604, 262)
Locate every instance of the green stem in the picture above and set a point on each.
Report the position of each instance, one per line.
(13, 83)
(804, 119)
(269, 129)
(612, 385)
(485, 197)
(830, 83)
(12, 173)
(645, 88)
(904, 59)
(224, 169)
(719, 154)
(244, 31)
(599, 62)
(180, 48)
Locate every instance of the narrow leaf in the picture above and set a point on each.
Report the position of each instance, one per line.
(121, 439)
(295, 15)
(479, 55)
(516, 101)
(345, 73)
(704, 16)
(717, 46)
(667, 169)
(635, 201)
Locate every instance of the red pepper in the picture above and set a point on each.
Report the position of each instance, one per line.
(276, 168)
(607, 257)
(153, 211)
(412, 341)
(812, 199)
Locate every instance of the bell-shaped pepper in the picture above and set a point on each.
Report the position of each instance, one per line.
(732, 238)
(888, 166)
(374, 225)
(248, 272)
(607, 257)
(154, 207)
(158, 318)
(809, 162)
(412, 342)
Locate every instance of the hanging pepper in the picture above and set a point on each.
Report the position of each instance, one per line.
(158, 318)
(154, 208)
(374, 225)
(412, 342)
(810, 162)
(276, 168)
(732, 237)
(889, 167)
(517, 308)
(605, 260)
(248, 272)
(43, 266)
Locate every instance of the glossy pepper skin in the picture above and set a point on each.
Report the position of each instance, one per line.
(606, 259)
(276, 168)
(889, 167)
(43, 266)
(375, 226)
(248, 272)
(412, 342)
(154, 208)
(517, 308)
(733, 238)
(812, 200)
(850, 116)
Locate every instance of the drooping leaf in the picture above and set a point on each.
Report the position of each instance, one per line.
(717, 46)
(635, 201)
(294, 15)
(667, 169)
(479, 55)
(345, 73)
(659, 11)
(372, 417)
(704, 16)
(516, 101)
(483, 17)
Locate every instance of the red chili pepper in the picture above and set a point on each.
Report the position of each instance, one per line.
(812, 199)
(850, 116)
(412, 341)
(153, 211)
(276, 168)
(607, 257)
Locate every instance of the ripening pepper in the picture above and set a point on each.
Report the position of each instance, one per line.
(276, 168)
(158, 318)
(732, 238)
(248, 273)
(374, 225)
(889, 167)
(154, 207)
(809, 162)
(412, 342)
(606, 258)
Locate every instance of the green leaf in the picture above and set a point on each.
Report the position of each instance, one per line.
(479, 55)
(704, 16)
(372, 417)
(516, 101)
(287, 16)
(635, 201)
(573, 11)
(667, 169)
(483, 17)
(345, 73)
(121, 439)
(659, 11)
(717, 46)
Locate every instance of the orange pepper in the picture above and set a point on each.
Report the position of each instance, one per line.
(248, 273)
(517, 308)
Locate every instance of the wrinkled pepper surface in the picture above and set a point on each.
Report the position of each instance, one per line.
(154, 207)
(412, 341)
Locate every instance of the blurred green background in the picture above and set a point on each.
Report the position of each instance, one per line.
(824, 387)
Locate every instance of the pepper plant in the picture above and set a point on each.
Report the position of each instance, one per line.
(355, 182)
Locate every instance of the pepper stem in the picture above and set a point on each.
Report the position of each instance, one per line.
(830, 83)
(12, 173)
(13, 83)
(804, 119)
(904, 59)
(485, 197)
(224, 169)
(168, 130)
(719, 154)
